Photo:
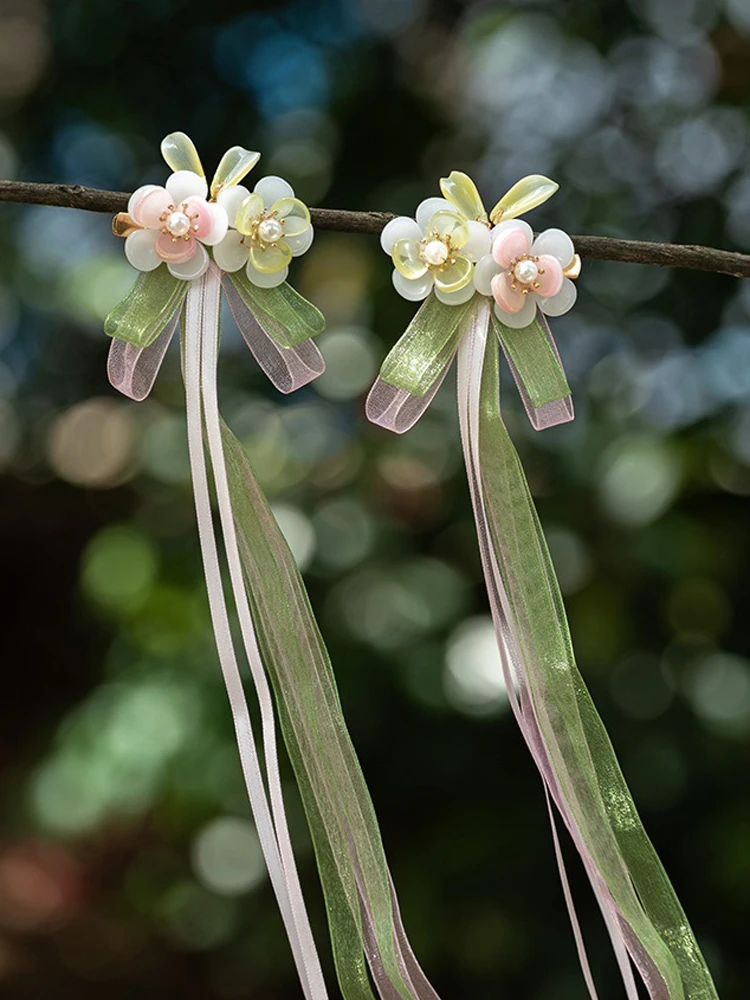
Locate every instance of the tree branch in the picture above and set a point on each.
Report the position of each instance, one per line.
(337, 220)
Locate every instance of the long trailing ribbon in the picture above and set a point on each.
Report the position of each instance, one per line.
(557, 717)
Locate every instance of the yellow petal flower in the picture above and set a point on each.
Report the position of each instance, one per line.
(268, 258)
(294, 214)
(453, 276)
(523, 196)
(249, 213)
(461, 191)
(180, 153)
(407, 258)
(234, 165)
(448, 226)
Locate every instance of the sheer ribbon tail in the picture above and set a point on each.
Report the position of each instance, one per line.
(132, 370)
(288, 365)
(534, 362)
(147, 308)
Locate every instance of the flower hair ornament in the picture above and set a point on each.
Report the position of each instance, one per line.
(490, 284)
(193, 244)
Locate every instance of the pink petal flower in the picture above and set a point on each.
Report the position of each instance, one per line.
(173, 250)
(195, 205)
(512, 242)
(551, 281)
(507, 298)
(148, 209)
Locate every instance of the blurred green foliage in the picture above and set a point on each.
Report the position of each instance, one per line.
(128, 859)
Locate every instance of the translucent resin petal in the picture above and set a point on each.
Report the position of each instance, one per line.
(249, 212)
(272, 188)
(562, 302)
(407, 258)
(230, 199)
(137, 196)
(233, 166)
(269, 258)
(557, 243)
(230, 254)
(218, 227)
(512, 239)
(413, 289)
(456, 298)
(454, 276)
(294, 214)
(508, 298)
(461, 191)
(263, 280)
(486, 269)
(180, 153)
(140, 250)
(175, 250)
(151, 206)
(427, 208)
(479, 242)
(189, 270)
(302, 243)
(523, 196)
(448, 226)
(401, 228)
(550, 276)
(186, 184)
(520, 319)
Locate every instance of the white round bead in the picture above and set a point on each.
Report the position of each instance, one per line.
(270, 230)
(435, 253)
(178, 224)
(526, 271)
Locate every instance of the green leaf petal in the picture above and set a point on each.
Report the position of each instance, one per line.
(285, 315)
(461, 191)
(180, 153)
(147, 308)
(526, 194)
(235, 164)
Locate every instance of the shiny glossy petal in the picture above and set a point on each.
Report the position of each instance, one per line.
(413, 289)
(140, 250)
(479, 242)
(427, 208)
(264, 280)
(454, 276)
(230, 254)
(152, 204)
(486, 269)
(249, 212)
(520, 319)
(294, 214)
(230, 200)
(407, 258)
(302, 243)
(180, 153)
(562, 302)
(557, 243)
(233, 166)
(189, 270)
(509, 299)
(400, 228)
(185, 184)
(448, 225)
(512, 239)
(219, 225)
(201, 216)
(461, 192)
(273, 188)
(138, 195)
(550, 276)
(270, 258)
(175, 250)
(456, 298)
(523, 196)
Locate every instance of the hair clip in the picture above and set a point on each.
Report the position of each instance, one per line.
(191, 249)
(489, 284)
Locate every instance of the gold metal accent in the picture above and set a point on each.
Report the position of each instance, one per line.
(573, 269)
(123, 225)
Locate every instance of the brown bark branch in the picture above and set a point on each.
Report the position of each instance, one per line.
(697, 258)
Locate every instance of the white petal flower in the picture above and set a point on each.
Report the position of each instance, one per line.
(400, 228)
(230, 198)
(264, 280)
(194, 267)
(272, 188)
(429, 207)
(413, 289)
(141, 251)
(185, 184)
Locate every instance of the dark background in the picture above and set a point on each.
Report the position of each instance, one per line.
(128, 861)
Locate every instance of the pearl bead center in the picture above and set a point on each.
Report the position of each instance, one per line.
(270, 230)
(435, 253)
(178, 224)
(526, 271)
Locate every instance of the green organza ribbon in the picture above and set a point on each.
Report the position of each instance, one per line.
(339, 810)
(538, 366)
(147, 308)
(284, 314)
(578, 745)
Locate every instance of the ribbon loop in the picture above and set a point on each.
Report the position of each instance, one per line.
(285, 315)
(151, 303)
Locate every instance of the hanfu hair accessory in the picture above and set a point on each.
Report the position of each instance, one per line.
(192, 246)
(489, 284)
